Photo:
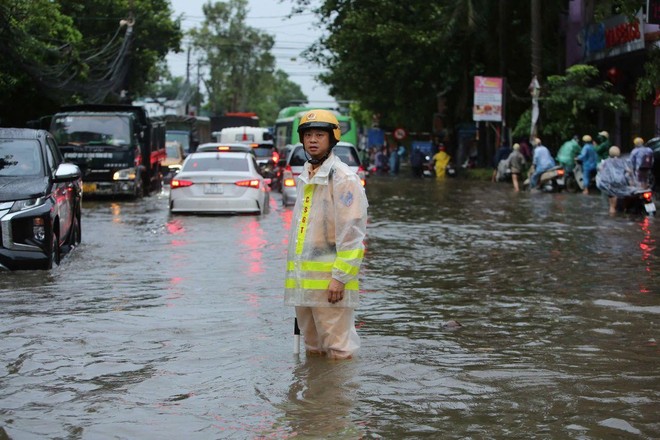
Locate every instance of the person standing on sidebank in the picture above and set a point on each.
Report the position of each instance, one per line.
(326, 246)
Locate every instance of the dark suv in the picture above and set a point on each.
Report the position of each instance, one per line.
(40, 200)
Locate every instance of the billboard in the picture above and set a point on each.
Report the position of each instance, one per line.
(488, 101)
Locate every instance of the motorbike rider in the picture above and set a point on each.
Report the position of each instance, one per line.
(326, 246)
(542, 162)
(604, 144)
(589, 160)
(567, 153)
(441, 160)
(641, 158)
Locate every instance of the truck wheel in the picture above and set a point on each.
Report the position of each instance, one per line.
(139, 188)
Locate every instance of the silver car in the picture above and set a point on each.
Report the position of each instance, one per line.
(219, 182)
(345, 151)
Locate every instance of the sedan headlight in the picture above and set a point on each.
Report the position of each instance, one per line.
(125, 174)
(22, 205)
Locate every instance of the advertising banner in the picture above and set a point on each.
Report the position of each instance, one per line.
(487, 99)
(617, 35)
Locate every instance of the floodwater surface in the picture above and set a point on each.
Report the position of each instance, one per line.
(485, 314)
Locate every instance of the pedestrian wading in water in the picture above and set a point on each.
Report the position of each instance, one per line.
(326, 242)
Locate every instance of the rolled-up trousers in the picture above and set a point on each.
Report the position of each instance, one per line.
(329, 329)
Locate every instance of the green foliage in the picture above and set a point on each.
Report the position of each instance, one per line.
(70, 51)
(571, 102)
(242, 75)
(650, 82)
(396, 57)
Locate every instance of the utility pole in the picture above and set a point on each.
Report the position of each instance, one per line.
(534, 87)
(187, 85)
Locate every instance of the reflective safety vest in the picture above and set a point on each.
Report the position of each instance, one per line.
(326, 237)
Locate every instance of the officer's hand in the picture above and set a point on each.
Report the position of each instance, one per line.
(335, 291)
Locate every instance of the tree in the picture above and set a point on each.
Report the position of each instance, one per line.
(70, 51)
(396, 58)
(571, 103)
(242, 74)
(238, 57)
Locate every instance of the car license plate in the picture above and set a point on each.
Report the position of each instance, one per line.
(213, 188)
(89, 187)
(650, 207)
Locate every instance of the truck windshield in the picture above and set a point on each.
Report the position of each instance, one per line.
(92, 130)
(182, 137)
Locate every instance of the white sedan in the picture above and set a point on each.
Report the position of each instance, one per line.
(219, 182)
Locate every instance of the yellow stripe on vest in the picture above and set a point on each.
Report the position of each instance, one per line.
(308, 190)
(351, 255)
(308, 284)
(310, 266)
(346, 268)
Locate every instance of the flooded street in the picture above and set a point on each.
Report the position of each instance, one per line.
(170, 326)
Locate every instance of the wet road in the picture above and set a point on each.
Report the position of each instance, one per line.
(163, 326)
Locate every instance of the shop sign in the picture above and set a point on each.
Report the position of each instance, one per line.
(615, 36)
(487, 99)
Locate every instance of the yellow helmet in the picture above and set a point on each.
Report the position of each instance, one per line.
(614, 151)
(586, 138)
(321, 119)
(638, 142)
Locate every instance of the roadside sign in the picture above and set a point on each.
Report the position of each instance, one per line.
(400, 134)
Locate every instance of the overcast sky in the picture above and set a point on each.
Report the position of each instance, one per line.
(292, 36)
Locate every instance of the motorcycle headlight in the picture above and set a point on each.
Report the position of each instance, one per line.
(125, 174)
(22, 205)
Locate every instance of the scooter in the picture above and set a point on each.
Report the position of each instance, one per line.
(551, 180)
(639, 202)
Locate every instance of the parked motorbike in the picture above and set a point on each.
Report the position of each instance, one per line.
(552, 180)
(450, 170)
(639, 202)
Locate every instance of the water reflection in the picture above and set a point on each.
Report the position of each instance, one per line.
(647, 246)
(321, 400)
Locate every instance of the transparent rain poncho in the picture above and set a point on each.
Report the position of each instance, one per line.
(615, 177)
(326, 237)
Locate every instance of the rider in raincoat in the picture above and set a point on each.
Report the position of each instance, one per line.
(441, 160)
(326, 246)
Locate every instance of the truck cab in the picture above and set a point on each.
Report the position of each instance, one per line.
(118, 149)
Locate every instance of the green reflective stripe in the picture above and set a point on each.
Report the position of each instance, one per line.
(311, 266)
(351, 255)
(308, 284)
(346, 268)
(304, 218)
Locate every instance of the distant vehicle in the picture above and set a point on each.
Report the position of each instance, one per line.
(234, 119)
(40, 201)
(261, 141)
(288, 119)
(295, 162)
(174, 160)
(214, 182)
(117, 147)
(189, 131)
(226, 147)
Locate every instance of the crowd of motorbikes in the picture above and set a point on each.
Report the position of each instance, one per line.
(638, 200)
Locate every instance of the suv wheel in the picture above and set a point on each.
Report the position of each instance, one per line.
(55, 255)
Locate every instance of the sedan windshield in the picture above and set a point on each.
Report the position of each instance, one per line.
(92, 130)
(20, 157)
(216, 163)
